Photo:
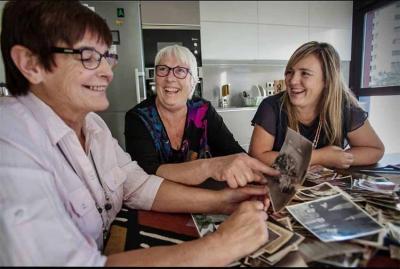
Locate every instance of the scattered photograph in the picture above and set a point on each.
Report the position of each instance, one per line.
(292, 162)
(207, 223)
(321, 190)
(285, 222)
(278, 236)
(315, 250)
(343, 260)
(334, 218)
(291, 245)
(373, 240)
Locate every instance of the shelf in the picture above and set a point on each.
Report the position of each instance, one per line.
(235, 108)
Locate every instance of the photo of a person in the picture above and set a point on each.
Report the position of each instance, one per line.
(292, 162)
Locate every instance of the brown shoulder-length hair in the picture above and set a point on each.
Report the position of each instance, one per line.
(40, 25)
(335, 94)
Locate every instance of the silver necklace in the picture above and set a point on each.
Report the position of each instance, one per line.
(317, 133)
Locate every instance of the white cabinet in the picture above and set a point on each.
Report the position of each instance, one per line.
(278, 42)
(238, 121)
(229, 41)
(228, 11)
(272, 30)
(283, 12)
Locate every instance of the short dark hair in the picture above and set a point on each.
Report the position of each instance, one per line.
(40, 25)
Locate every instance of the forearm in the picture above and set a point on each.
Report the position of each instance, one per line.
(266, 157)
(174, 197)
(317, 157)
(189, 173)
(207, 251)
(366, 155)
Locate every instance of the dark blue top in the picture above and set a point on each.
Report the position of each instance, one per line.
(274, 120)
(205, 135)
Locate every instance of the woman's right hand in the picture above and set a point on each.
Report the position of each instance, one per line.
(335, 157)
(239, 169)
(244, 231)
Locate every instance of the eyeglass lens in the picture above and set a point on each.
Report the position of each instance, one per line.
(178, 71)
(91, 58)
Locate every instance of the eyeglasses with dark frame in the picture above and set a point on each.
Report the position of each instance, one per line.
(90, 57)
(178, 71)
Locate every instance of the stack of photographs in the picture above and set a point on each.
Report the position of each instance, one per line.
(281, 240)
(379, 195)
(292, 161)
(334, 218)
(318, 191)
(276, 249)
(338, 254)
(319, 174)
(388, 215)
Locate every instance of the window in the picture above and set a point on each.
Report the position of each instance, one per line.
(376, 48)
(375, 66)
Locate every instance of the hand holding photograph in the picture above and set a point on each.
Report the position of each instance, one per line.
(292, 161)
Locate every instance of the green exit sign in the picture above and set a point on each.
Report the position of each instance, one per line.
(120, 13)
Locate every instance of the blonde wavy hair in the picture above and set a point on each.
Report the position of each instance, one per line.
(334, 95)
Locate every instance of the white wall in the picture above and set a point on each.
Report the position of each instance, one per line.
(384, 113)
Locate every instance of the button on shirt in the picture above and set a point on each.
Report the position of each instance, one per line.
(48, 213)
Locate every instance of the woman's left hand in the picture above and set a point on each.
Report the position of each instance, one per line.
(232, 198)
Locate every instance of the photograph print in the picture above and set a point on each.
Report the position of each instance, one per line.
(334, 218)
(292, 161)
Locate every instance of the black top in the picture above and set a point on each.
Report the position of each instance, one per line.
(205, 135)
(274, 120)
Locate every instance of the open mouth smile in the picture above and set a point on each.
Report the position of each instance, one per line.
(96, 88)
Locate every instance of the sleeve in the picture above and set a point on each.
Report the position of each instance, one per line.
(140, 188)
(220, 139)
(139, 143)
(356, 118)
(35, 228)
(266, 116)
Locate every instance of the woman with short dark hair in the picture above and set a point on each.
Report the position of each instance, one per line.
(64, 178)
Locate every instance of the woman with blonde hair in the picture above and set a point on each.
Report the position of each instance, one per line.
(318, 105)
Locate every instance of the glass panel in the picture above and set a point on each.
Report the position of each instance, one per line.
(381, 61)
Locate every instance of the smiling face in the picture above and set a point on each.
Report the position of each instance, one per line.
(72, 90)
(305, 82)
(172, 92)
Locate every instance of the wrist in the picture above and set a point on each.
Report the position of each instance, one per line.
(220, 246)
(207, 165)
(216, 202)
(316, 157)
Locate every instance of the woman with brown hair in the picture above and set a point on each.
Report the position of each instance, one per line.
(319, 105)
